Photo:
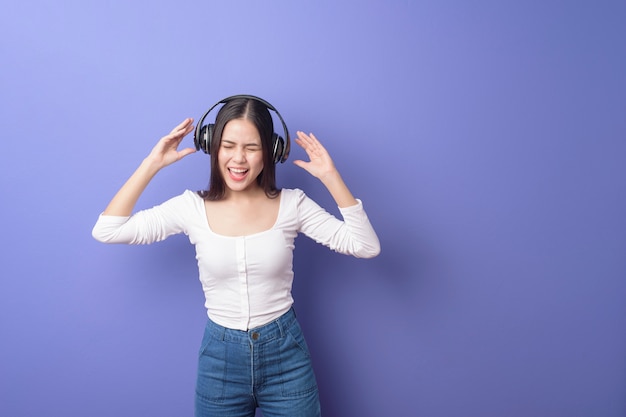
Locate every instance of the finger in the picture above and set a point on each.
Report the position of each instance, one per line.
(306, 142)
(310, 151)
(187, 151)
(312, 142)
(302, 143)
(184, 126)
(315, 141)
(303, 137)
(300, 163)
(189, 129)
(174, 137)
(180, 131)
(308, 137)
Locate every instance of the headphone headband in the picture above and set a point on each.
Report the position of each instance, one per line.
(281, 148)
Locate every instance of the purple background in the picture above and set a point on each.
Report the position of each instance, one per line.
(487, 140)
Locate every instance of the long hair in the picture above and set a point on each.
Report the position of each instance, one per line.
(258, 114)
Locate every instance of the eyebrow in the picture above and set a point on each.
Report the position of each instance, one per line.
(230, 142)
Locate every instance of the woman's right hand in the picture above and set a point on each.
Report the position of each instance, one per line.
(166, 152)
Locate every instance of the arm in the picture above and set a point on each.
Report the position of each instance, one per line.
(355, 235)
(322, 167)
(151, 225)
(164, 153)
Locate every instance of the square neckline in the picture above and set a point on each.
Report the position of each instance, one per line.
(270, 229)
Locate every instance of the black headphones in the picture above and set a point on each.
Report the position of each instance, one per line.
(204, 133)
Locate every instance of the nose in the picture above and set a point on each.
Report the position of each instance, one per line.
(239, 155)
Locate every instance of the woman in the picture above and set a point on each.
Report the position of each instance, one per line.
(253, 353)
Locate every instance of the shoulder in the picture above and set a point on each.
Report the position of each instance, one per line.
(293, 196)
(297, 200)
(187, 200)
(188, 197)
(191, 195)
(291, 192)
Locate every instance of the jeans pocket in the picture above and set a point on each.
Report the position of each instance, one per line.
(297, 337)
(211, 370)
(298, 378)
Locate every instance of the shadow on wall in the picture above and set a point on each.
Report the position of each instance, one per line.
(345, 304)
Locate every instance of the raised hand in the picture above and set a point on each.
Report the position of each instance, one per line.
(321, 166)
(166, 152)
(320, 163)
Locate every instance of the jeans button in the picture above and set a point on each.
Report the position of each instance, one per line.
(255, 336)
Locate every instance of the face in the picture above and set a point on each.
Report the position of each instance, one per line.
(240, 155)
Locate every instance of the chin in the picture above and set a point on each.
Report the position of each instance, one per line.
(239, 187)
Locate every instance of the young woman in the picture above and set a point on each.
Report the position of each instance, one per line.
(253, 353)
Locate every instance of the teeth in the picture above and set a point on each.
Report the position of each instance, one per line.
(238, 171)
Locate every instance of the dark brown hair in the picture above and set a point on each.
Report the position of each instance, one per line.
(257, 113)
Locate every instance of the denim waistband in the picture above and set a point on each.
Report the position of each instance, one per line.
(273, 330)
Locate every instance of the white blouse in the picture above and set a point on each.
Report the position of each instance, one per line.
(246, 279)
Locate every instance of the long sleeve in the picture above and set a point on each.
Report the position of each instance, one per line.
(146, 226)
(353, 236)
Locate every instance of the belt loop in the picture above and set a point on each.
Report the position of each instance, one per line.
(286, 321)
(279, 323)
(217, 331)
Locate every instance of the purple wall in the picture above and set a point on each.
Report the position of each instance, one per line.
(487, 140)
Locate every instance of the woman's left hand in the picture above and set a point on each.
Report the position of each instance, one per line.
(321, 164)
(323, 168)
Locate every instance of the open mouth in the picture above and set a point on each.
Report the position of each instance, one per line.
(238, 173)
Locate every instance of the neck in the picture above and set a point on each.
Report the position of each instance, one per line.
(247, 195)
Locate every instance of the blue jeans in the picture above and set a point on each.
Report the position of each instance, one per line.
(268, 367)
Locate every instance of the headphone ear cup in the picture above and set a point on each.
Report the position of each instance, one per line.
(204, 141)
(279, 148)
(286, 149)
